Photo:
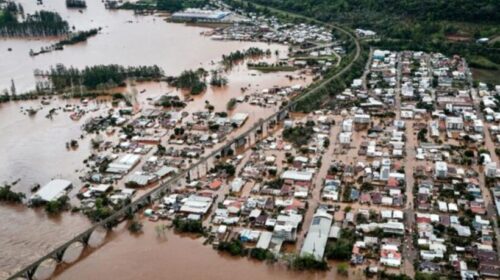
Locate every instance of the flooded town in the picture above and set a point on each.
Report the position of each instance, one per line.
(208, 139)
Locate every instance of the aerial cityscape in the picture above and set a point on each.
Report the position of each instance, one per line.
(250, 139)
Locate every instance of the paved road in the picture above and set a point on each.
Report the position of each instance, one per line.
(490, 146)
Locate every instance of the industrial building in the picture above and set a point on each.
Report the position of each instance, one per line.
(199, 15)
(318, 234)
(52, 190)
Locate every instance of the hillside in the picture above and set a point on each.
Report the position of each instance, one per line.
(455, 10)
(447, 26)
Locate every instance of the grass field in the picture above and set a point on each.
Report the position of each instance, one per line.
(486, 76)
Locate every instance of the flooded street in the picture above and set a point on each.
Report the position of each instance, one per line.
(34, 147)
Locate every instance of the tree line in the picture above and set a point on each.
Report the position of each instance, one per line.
(80, 4)
(73, 38)
(234, 57)
(41, 23)
(170, 6)
(455, 10)
(92, 77)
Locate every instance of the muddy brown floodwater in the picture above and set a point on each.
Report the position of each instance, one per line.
(148, 256)
(34, 150)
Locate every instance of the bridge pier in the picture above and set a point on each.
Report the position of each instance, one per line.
(30, 272)
(60, 254)
(85, 239)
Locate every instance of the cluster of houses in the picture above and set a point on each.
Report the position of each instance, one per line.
(269, 29)
(137, 149)
(423, 129)
(263, 203)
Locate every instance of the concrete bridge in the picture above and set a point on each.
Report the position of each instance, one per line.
(256, 132)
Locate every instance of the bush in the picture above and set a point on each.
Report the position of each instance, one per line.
(229, 169)
(135, 226)
(187, 226)
(308, 262)
(299, 135)
(231, 104)
(57, 206)
(343, 269)
(101, 211)
(7, 195)
(342, 248)
(261, 254)
(234, 247)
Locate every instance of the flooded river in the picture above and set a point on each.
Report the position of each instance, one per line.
(126, 39)
(149, 256)
(34, 148)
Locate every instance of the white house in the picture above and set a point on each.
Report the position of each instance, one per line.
(441, 170)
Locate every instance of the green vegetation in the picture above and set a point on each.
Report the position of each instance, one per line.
(342, 248)
(73, 38)
(233, 247)
(486, 76)
(170, 6)
(193, 81)
(177, 5)
(102, 209)
(267, 68)
(450, 27)
(170, 101)
(234, 57)
(187, 226)
(41, 23)
(93, 77)
(80, 4)
(262, 254)
(231, 104)
(327, 10)
(422, 135)
(307, 262)
(135, 226)
(322, 95)
(55, 207)
(7, 195)
(426, 276)
(229, 169)
(343, 269)
(80, 36)
(217, 80)
(390, 276)
(298, 135)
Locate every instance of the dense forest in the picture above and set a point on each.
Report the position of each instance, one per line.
(450, 27)
(177, 5)
(41, 23)
(93, 77)
(454, 10)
